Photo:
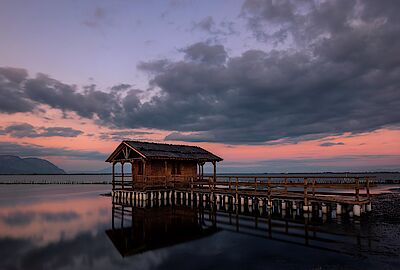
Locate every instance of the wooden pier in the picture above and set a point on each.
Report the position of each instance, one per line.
(256, 191)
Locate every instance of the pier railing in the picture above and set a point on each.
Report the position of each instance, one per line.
(308, 188)
(140, 182)
(311, 188)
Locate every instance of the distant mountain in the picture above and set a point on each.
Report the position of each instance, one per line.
(16, 165)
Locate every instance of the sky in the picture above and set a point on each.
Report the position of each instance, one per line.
(270, 86)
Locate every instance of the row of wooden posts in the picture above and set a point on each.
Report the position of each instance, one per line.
(258, 193)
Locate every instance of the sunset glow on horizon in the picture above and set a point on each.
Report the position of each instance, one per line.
(267, 91)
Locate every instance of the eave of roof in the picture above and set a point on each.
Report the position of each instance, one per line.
(166, 151)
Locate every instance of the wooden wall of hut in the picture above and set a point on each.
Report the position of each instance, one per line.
(164, 168)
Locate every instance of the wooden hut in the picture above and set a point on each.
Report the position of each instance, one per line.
(158, 165)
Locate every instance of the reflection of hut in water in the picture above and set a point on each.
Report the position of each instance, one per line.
(142, 229)
(159, 165)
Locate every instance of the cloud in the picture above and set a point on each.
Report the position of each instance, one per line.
(310, 22)
(327, 144)
(123, 135)
(12, 98)
(189, 137)
(32, 150)
(205, 53)
(208, 25)
(25, 130)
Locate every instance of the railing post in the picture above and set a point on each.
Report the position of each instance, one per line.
(305, 193)
(237, 195)
(269, 189)
(368, 194)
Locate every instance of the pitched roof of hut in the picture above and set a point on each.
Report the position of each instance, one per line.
(149, 150)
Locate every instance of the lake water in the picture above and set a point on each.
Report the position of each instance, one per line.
(73, 227)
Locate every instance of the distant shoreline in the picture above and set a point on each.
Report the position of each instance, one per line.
(56, 183)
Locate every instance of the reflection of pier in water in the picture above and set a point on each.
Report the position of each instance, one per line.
(137, 228)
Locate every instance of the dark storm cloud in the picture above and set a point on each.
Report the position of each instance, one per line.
(205, 53)
(26, 130)
(340, 72)
(12, 99)
(88, 103)
(32, 150)
(327, 144)
(154, 66)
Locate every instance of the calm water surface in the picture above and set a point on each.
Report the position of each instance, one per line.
(73, 227)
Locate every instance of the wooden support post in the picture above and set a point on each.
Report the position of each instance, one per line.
(113, 176)
(166, 173)
(144, 175)
(236, 189)
(255, 186)
(368, 192)
(133, 182)
(215, 171)
(305, 207)
(122, 174)
(269, 189)
(215, 174)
